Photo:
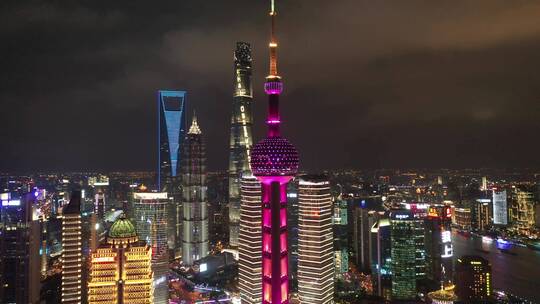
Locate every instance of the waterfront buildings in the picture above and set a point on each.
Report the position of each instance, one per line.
(274, 161)
(240, 141)
(462, 218)
(522, 211)
(250, 243)
(482, 217)
(473, 279)
(438, 242)
(403, 240)
(19, 249)
(500, 207)
(120, 270)
(315, 241)
(72, 260)
(150, 216)
(194, 201)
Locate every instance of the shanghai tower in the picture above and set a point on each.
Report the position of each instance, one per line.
(240, 141)
(274, 162)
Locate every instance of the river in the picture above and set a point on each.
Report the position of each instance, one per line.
(517, 273)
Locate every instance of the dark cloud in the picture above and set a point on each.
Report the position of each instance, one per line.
(368, 83)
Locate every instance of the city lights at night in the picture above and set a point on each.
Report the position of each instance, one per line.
(269, 152)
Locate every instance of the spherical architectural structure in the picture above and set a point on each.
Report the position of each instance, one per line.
(122, 231)
(274, 156)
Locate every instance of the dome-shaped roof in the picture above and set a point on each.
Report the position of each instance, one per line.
(274, 156)
(122, 228)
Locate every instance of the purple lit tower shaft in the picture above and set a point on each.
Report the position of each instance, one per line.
(274, 161)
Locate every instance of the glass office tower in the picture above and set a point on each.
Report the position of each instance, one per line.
(171, 120)
(250, 243)
(315, 241)
(150, 216)
(170, 133)
(403, 241)
(19, 249)
(240, 138)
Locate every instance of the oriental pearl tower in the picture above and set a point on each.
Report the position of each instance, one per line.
(274, 161)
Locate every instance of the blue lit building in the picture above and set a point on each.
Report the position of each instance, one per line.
(171, 119)
(171, 116)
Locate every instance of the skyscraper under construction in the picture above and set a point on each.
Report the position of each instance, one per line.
(240, 140)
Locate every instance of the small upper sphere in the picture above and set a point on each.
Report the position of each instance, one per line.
(274, 156)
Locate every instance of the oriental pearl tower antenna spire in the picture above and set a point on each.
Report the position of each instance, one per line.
(274, 161)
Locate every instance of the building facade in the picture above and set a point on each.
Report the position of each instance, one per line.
(403, 239)
(195, 214)
(500, 207)
(473, 279)
(381, 257)
(250, 243)
(150, 216)
(121, 270)
(240, 141)
(171, 128)
(523, 211)
(315, 241)
(72, 260)
(20, 239)
(438, 242)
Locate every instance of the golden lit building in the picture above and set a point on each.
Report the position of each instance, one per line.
(72, 251)
(522, 212)
(120, 270)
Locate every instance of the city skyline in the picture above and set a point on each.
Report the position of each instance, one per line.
(108, 196)
(465, 80)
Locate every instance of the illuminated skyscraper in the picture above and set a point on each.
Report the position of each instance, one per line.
(523, 210)
(72, 262)
(120, 270)
(19, 249)
(274, 161)
(150, 215)
(439, 250)
(403, 255)
(473, 279)
(381, 248)
(240, 139)
(195, 219)
(315, 241)
(171, 118)
(250, 244)
(500, 207)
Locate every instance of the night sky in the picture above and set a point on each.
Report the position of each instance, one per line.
(368, 84)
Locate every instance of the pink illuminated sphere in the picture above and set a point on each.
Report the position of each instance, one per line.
(274, 156)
